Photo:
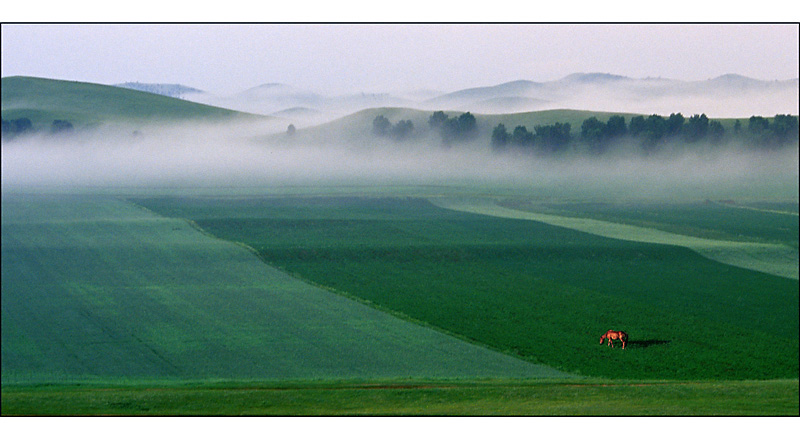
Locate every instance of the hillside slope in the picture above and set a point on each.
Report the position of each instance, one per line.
(82, 104)
(358, 126)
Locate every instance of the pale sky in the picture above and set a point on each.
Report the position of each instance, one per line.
(339, 58)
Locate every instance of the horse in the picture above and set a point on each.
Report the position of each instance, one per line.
(615, 335)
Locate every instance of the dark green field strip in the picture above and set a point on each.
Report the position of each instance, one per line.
(506, 305)
(417, 398)
(92, 297)
(425, 235)
(705, 220)
(538, 291)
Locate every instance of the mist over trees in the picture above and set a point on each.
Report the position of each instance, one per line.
(449, 129)
(459, 128)
(381, 126)
(544, 138)
(649, 134)
(783, 130)
(23, 126)
(11, 128)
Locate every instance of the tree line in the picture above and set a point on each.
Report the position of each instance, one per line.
(450, 129)
(547, 138)
(650, 133)
(381, 126)
(647, 133)
(22, 126)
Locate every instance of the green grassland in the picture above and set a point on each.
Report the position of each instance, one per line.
(111, 309)
(87, 104)
(540, 292)
(417, 398)
(761, 222)
(98, 290)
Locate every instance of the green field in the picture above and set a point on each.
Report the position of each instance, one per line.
(417, 398)
(97, 289)
(537, 291)
(756, 240)
(372, 305)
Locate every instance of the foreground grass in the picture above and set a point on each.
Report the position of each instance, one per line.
(461, 398)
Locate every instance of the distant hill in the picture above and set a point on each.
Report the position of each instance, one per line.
(593, 78)
(517, 89)
(504, 105)
(164, 89)
(725, 96)
(277, 98)
(85, 104)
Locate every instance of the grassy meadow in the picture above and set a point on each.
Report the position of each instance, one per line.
(371, 305)
(88, 104)
(536, 291)
(415, 398)
(98, 290)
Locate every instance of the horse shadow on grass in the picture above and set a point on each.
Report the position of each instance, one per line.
(646, 343)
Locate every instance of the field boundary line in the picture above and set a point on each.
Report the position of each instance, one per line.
(773, 259)
(400, 316)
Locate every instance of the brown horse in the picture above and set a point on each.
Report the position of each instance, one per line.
(615, 335)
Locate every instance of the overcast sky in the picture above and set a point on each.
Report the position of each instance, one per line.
(225, 59)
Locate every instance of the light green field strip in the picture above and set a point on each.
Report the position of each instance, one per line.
(773, 259)
(97, 289)
(772, 211)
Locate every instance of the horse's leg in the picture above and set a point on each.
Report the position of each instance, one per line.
(610, 342)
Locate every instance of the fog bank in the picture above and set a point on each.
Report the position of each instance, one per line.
(205, 156)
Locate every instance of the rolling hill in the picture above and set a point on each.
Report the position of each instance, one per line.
(726, 96)
(357, 127)
(164, 89)
(86, 104)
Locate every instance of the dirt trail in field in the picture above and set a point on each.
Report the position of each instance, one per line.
(773, 259)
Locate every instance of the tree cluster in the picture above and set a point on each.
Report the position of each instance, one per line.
(545, 138)
(655, 131)
(783, 130)
(459, 128)
(16, 127)
(21, 126)
(381, 126)
(60, 126)
(650, 133)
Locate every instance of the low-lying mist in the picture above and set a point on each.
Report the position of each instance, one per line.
(189, 156)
